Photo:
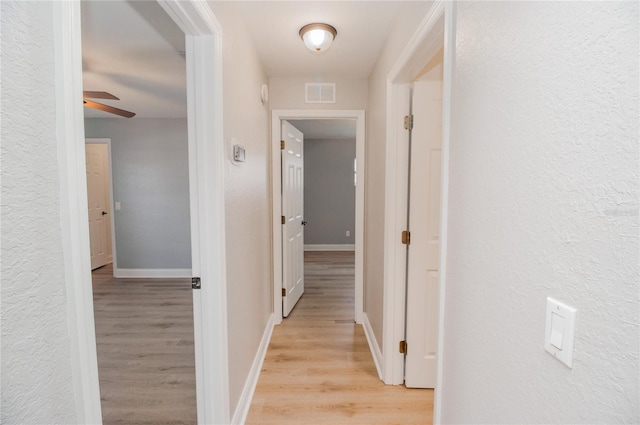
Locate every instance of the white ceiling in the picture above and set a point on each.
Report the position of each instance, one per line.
(131, 47)
(131, 50)
(362, 28)
(326, 128)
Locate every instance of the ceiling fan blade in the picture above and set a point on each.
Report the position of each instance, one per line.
(107, 108)
(99, 95)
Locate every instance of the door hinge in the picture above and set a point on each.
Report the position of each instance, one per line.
(406, 237)
(283, 220)
(284, 292)
(403, 347)
(195, 283)
(408, 122)
(282, 144)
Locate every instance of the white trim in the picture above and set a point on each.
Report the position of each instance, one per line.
(435, 30)
(206, 172)
(373, 344)
(203, 37)
(106, 141)
(449, 65)
(152, 273)
(242, 409)
(276, 190)
(329, 247)
(194, 18)
(395, 222)
(73, 211)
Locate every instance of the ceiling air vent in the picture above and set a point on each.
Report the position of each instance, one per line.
(320, 92)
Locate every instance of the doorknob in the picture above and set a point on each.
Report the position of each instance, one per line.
(304, 223)
(104, 213)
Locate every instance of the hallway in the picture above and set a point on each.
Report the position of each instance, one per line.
(318, 368)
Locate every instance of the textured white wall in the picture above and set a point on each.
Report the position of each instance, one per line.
(36, 370)
(409, 17)
(247, 197)
(288, 93)
(543, 202)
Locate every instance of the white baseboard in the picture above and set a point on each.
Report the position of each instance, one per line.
(373, 343)
(242, 409)
(329, 247)
(152, 273)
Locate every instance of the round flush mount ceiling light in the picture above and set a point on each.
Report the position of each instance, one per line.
(318, 37)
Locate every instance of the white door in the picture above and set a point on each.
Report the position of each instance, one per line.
(97, 157)
(424, 225)
(293, 217)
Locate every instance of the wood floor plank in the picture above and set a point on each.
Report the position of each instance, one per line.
(318, 368)
(144, 337)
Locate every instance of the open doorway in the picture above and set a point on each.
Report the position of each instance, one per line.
(99, 190)
(142, 300)
(318, 200)
(330, 173)
(206, 215)
(278, 187)
(435, 35)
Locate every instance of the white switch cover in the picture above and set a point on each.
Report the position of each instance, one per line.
(118, 207)
(557, 330)
(560, 331)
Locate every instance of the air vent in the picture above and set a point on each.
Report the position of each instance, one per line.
(320, 92)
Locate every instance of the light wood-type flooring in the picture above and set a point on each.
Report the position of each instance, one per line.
(319, 369)
(144, 336)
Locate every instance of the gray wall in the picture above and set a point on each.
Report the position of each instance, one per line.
(151, 181)
(247, 200)
(329, 192)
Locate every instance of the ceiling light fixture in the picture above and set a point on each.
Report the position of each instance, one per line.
(318, 37)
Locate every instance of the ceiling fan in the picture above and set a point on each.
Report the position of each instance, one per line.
(101, 106)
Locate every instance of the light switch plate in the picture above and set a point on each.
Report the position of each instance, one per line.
(560, 331)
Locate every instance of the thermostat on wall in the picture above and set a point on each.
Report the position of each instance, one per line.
(238, 153)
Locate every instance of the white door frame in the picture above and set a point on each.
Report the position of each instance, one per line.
(112, 219)
(277, 116)
(436, 30)
(206, 171)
